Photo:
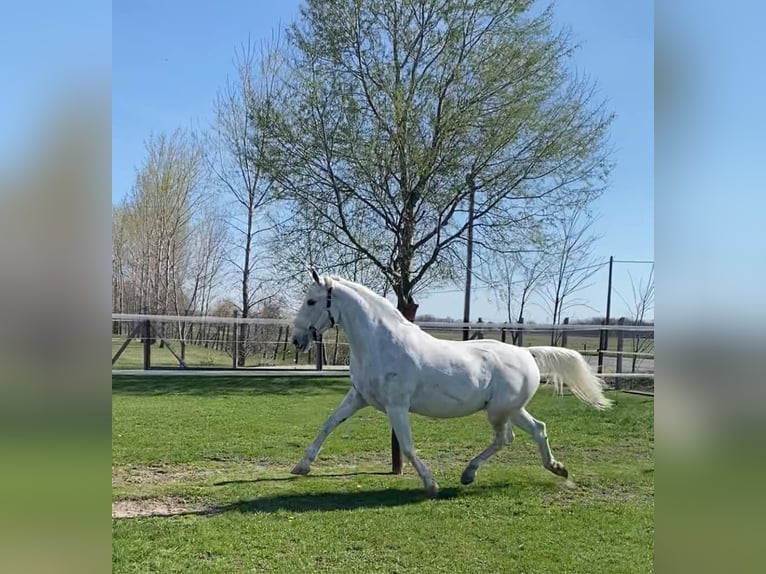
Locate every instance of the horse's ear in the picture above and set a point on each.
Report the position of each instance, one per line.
(314, 274)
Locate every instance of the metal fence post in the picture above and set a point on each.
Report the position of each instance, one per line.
(601, 348)
(320, 352)
(565, 332)
(235, 341)
(620, 347)
(147, 344)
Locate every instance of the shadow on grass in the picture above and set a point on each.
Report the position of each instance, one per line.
(333, 501)
(209, 386)
(295, 477)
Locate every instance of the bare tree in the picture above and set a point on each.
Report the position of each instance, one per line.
(199, 275)
(167, 240)
(641, 305)
(119, 260)
(238, 152)
(572, 264)
(388, 109)
(296, 242)
(515, 278)
(161, 204)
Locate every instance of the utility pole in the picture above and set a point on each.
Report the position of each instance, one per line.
(469, 255)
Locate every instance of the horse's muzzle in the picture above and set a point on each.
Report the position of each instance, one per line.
(302, 341)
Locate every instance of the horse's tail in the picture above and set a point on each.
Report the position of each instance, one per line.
(567, 366)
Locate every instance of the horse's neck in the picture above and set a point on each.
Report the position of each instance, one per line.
(360, 318)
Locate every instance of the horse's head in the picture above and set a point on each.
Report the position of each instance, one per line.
(315, 315)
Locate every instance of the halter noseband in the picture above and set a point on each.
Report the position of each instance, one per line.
(329, 314)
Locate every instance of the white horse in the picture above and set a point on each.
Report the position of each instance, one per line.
(398, 368)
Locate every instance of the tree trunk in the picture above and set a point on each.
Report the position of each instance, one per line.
(243, 330)
(408, 308)
(242, 343)
(469, 258)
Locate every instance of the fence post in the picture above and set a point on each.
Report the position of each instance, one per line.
(319, 353)
(520, 337)
(335, 352)
(502, 334)
(276, 346)
(564, 332)
(601, 348)
(235, 342)
(147, 344)
(620, 346)
(284, 347)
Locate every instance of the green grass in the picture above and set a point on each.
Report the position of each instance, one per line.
(227, 444)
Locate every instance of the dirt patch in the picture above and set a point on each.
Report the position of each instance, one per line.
(183, 474)
(163, 506)
(575, 492)
(157, 474)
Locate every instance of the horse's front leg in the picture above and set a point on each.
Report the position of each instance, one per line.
(351, 403)
(400, 422)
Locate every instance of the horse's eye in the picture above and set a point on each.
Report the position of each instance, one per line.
(310, 302)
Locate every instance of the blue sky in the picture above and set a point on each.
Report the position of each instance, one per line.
(170, 58)
(46, 52)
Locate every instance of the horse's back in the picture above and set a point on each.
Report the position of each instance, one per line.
(459, 378)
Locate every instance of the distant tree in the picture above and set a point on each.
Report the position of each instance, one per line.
(167, 241)
(296, 243)
(202, 273)
(238, 151)
(572, 264)
(515, 278)
(640, 305)
(158, 216)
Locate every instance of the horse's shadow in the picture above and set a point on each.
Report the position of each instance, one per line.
(329, 501)
(333, 501)
(295, 477)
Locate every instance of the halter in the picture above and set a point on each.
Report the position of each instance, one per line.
(329, 303)
(329, 314)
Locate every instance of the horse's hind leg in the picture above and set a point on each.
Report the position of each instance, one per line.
(351, 403)
(527, 422)
(503, 436)
(400, 422)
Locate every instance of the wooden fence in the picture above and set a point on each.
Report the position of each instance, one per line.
(236, 343)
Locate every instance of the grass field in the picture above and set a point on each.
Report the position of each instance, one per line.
(216, 451)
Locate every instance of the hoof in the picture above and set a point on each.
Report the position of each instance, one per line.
(432, 491)
(468, 476)
(558, 469)
(300, 469)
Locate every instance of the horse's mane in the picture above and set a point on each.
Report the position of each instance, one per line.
(374, 300)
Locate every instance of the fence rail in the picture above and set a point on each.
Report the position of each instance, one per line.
(449, 326)
(189, 342)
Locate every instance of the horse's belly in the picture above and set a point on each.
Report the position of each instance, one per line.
(441, 402)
